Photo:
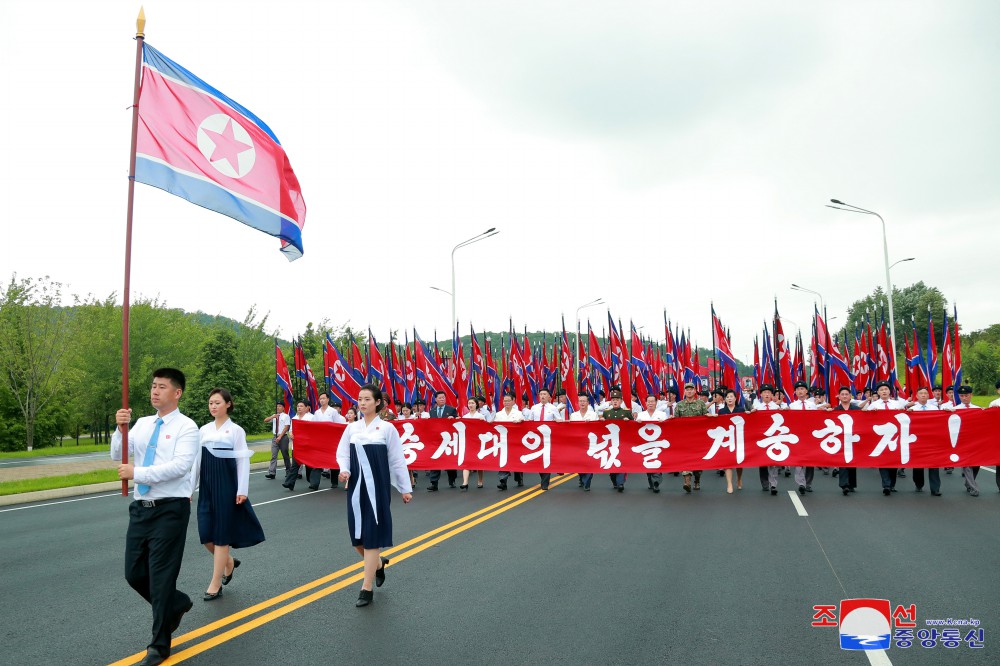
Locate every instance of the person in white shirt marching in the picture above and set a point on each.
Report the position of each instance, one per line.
(326, 413)
(302, 413)
(802, 402)
(545, 411)
(474, 414)
(370, 457)
(923, 404)
(970, 473)
(654, 415)
(164, 447)
(885, 402)
(584, 412)
(280, 423)
(769, 474)
(509, 413)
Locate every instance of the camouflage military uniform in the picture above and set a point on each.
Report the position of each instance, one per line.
(696, 407)
(618, 414)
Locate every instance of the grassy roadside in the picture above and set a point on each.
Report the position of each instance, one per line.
(85, 478)
(89, 448)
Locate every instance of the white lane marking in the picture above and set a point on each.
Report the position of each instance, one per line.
(988, 469)
(878, 658)
(55, 459)
(79, 499)
(799, 509)
(282, 499)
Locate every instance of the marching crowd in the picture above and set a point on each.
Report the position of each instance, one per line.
(667, 405)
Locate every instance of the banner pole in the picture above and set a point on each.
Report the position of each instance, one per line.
(140, 24)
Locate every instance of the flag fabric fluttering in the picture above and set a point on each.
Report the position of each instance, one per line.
(284, 379)
(196, 143)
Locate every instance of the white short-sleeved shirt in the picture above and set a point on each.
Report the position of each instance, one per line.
(331, 415)
(591, 415)
(644, 415)
(502, 416)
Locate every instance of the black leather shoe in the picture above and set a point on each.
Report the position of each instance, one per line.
(152, 658)
(290, 486)
(621, 489)
(209, 596)
(935, 493)
(463, 487)
(802, 490)
(226, 579)
(365, 598)
(380, 572)
(886, 492)
(502, 485)
(451, 484)
(269, 476)
(809, 489)
(432, 489)
(774, 490)
(847, 491)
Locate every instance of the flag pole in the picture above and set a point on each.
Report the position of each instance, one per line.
(140, 25)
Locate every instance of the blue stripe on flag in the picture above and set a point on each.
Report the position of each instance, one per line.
(213, 197)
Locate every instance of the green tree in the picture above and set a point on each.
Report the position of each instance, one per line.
(33, 348)
(981, 366)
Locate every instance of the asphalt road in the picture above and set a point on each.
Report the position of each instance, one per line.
(54, 460)
(559, 577)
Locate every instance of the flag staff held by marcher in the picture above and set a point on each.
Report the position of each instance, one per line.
(230, 162)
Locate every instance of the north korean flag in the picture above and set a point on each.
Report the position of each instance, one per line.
(197, 143)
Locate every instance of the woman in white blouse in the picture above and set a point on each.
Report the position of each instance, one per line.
(473, 414)
(371, 461)
(221, 474)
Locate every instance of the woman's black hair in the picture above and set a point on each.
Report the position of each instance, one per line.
(376, 395)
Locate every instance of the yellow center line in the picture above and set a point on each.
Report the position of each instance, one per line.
(465, 522)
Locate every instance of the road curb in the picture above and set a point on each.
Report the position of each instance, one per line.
(71, 491)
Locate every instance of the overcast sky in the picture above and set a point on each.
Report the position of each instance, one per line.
(656, 154)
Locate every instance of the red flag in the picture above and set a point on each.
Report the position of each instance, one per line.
(284, 379)
(566, 374)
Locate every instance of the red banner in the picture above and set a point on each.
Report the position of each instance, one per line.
(823, 439)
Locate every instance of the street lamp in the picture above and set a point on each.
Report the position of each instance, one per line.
(443, 291)
(492, 231)
(597, 301)
(822, 306)
(850, 208)
(901, 261)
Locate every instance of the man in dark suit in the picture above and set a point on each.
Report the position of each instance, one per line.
(848, 475)
(441, 411)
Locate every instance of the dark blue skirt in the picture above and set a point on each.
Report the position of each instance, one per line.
(376, 521)
(220, 519)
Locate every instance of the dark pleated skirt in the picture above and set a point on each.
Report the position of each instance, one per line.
(376, 522)
(220, 520)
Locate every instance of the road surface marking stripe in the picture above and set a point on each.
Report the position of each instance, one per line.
(78, 499)
(799, 509)
(475, 518)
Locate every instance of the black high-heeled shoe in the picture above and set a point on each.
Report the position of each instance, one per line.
(465, 487)
(209, 596)
(225, 578)
(380, 572)
(365, 598)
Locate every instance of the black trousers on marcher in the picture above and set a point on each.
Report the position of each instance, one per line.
(154, 548)
(935, 478)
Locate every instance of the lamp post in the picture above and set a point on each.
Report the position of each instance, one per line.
(901, 261)
(822, 306)
(492, 231)
(850, 208)
(576, 352)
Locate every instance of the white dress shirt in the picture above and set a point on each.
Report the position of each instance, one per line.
(551, 413)
(513, 416)
(305, 417)
(644, 415)
(473, 416)
(279, 423)
(331, 415)
(802, 405)
(962, 405)
(928, 407)
(591, 415)
(885, 404)
(772, 406)
(229, 438)
(486, 412)
(176, 449)
(995, 403)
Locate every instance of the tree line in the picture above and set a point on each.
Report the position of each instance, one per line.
(60, 364)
